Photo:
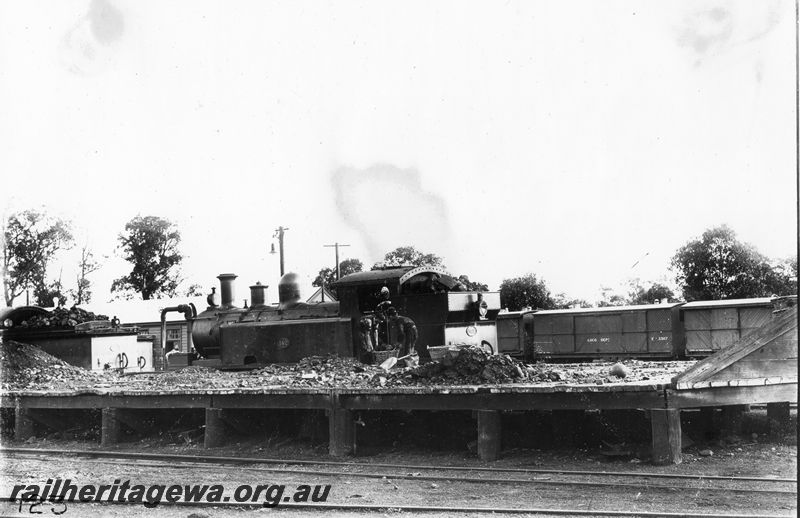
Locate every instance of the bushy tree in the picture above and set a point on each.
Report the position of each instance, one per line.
(639, 294)
(610, 298)
(719, 266)
(409, 256)
(328, 275)
(786, 277)
(150, 244)
(472, 285)
(194, 290)
(525, 291)
(31, 239)
(561, 301)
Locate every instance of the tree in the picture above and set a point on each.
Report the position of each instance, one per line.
(408, 256)
(30, 241)
(472, 285)
(561, 301)
(638, 294)
(610, 298)
(786, 277)
(194, 290)
(719, 266)
(46, 294)
(526, 291)
(150, 243)
(328, 275)
(82, 294)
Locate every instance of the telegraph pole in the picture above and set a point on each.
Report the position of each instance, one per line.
(338, 270)
(279, 234)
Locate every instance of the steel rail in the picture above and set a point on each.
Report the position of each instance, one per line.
(110, 459)
(442, 509)
(256, 460)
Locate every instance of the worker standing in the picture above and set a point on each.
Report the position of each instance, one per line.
(382, 318)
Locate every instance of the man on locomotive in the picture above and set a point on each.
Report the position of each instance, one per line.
(382, 335)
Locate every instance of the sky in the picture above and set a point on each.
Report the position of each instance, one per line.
(582, 141)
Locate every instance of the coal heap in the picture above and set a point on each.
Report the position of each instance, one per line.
(472, 366)
(61, 317)
(26, 366)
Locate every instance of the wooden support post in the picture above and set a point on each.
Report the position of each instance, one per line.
(732, 419)
(665, 424)
(23, 423)
(341, 433)
(778, 415)
(111, 427)
(489, 434)
(215, 428)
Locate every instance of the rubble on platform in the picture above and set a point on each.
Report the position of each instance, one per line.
(25, 367)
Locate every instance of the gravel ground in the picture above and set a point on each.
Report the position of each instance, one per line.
(762, 459)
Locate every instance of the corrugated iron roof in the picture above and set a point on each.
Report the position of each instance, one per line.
(700, 304)
(607, 309)
(19, 313)
(144, 311)
(373, 276)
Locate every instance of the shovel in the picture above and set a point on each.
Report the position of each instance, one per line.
(390, 362)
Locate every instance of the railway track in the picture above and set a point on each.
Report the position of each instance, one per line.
(456, 509)
(212, 459)
(637, 481)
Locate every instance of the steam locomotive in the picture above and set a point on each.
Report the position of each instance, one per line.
(443, 311)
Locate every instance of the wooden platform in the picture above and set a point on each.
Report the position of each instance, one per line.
(761, 368)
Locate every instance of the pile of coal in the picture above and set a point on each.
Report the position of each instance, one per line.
(61, 317)
(472, 366)
(24, 366)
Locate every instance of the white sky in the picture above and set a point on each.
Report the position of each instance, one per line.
(567, 139)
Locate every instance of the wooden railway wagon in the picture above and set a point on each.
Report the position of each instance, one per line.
(715, 324)
(646, 331)
(693, 330)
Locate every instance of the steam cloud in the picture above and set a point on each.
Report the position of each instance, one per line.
(389, 208)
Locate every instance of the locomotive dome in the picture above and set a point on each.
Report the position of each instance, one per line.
(289, 289)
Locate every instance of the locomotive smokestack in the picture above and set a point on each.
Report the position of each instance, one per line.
(258, 297)
(226, 289)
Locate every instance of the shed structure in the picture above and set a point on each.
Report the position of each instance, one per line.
(760, 368)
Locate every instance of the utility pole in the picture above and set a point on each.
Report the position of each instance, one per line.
(279, 234)
(338, 270)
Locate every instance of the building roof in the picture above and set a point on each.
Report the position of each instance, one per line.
(316, 296)
(19, 313)
(144, 311)
(373, 276)
(607, 309)
(701, 304)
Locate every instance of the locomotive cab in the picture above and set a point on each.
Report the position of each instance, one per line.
(444, 312)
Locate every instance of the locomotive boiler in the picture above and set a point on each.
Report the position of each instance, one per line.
(231, 337)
